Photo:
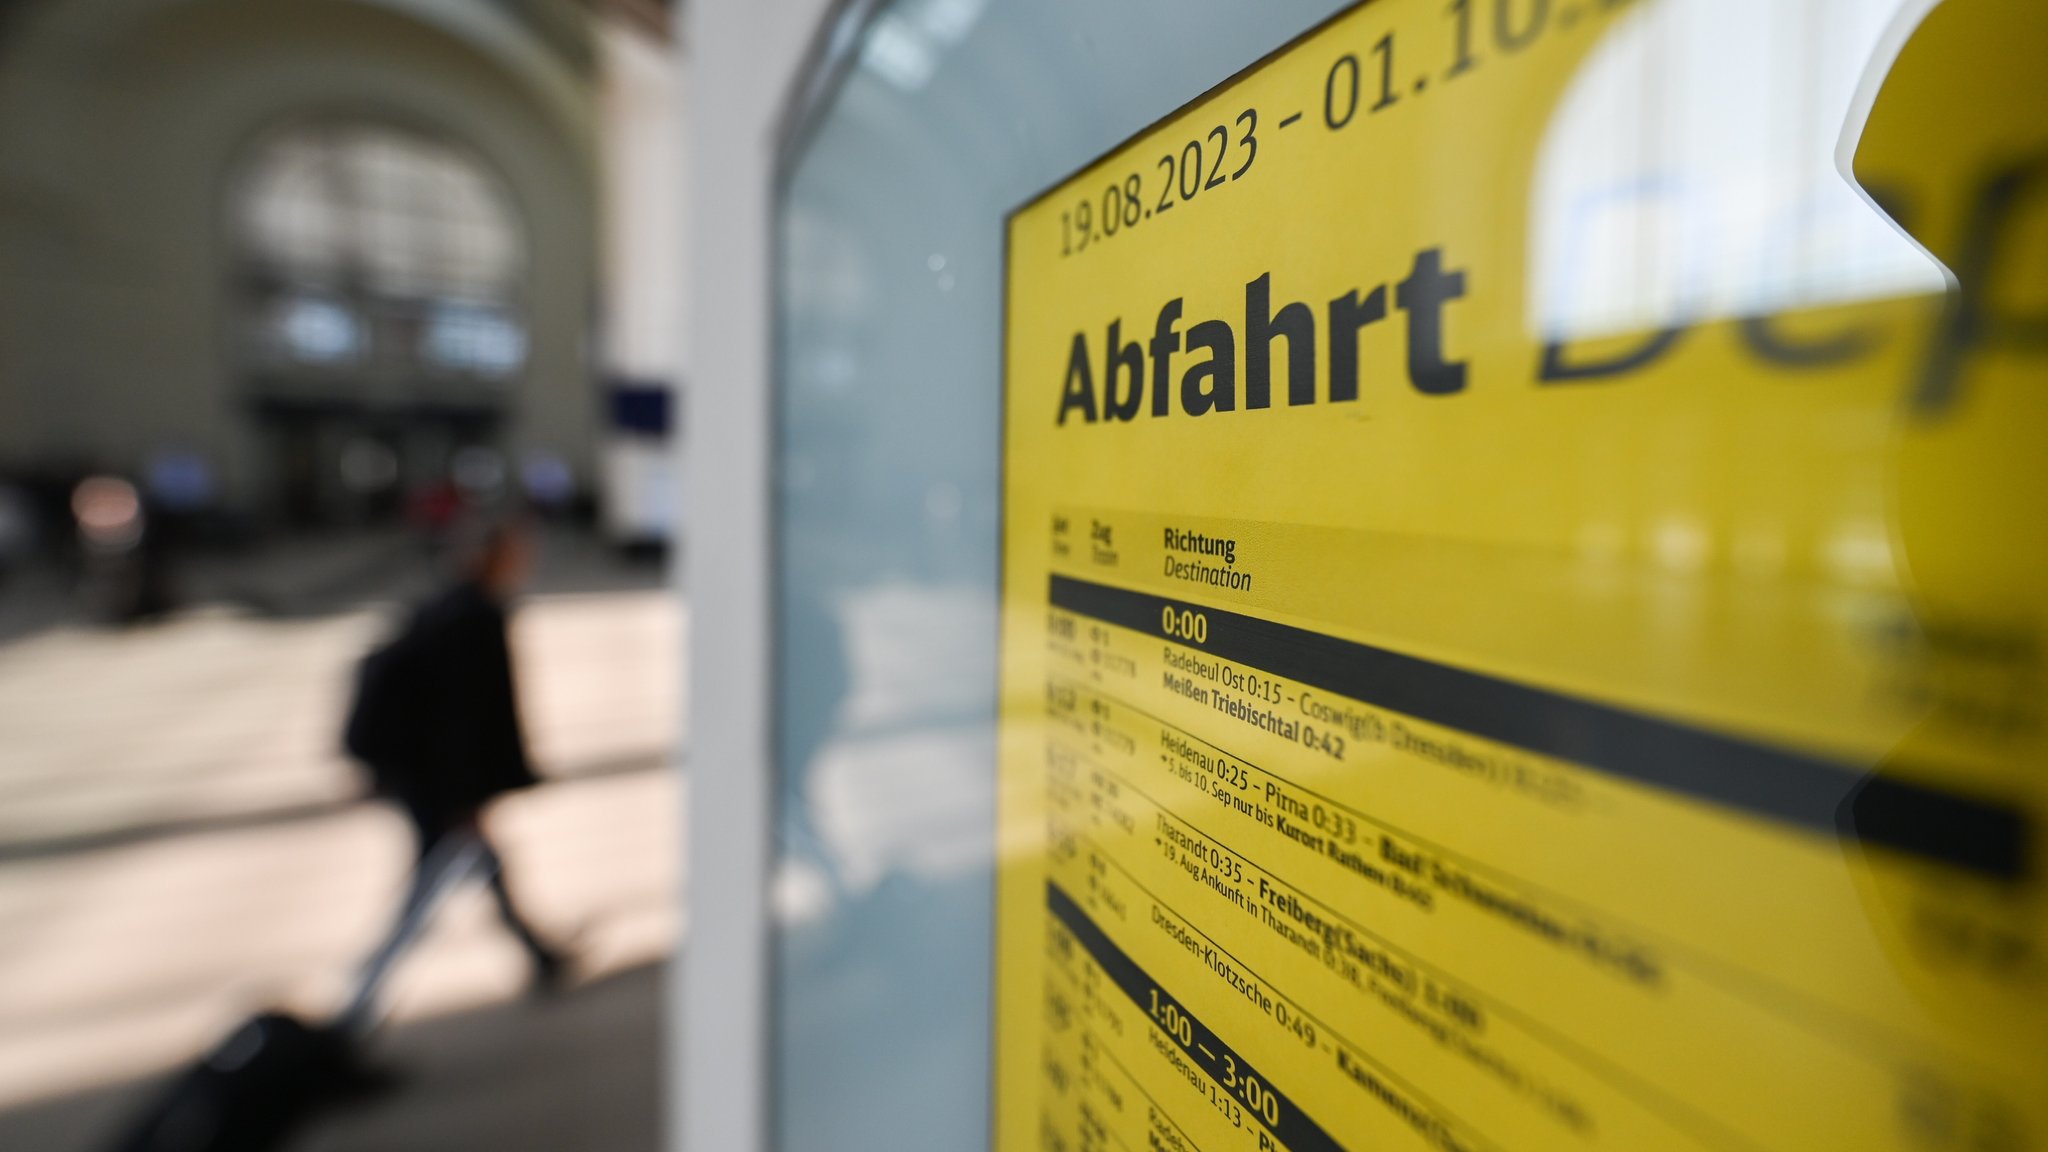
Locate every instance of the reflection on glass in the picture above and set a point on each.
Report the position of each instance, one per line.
(1618, 721)
(904, 44)
(1690, 172)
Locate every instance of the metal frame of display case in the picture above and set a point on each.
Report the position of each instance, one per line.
(752, 117)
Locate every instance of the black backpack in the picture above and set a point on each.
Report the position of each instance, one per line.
(387, 722)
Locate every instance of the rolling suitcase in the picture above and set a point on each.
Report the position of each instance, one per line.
(271, 1073)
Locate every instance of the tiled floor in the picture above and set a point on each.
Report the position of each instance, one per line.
(181, 845)
(582, 1074)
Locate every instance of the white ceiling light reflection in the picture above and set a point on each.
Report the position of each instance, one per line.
(897, 53)
(903, 46)
(1860, 552)
(1681, 545)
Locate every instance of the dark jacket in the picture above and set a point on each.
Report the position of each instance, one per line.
(469, 747)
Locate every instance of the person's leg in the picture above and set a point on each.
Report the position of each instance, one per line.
(439, 852)
(549, 965)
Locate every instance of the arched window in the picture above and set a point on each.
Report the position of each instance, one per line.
(376, 255)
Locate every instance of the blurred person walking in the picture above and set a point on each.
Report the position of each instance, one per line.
(436, 720)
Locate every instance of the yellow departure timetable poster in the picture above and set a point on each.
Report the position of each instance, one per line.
(1440, 713)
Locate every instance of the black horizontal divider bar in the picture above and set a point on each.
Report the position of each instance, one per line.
(1222, 1063)
(1964, 831)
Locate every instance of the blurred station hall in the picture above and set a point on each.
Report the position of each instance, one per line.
(1027, 575)
(289, 292)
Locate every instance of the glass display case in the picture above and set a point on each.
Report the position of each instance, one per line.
(1413, 575)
